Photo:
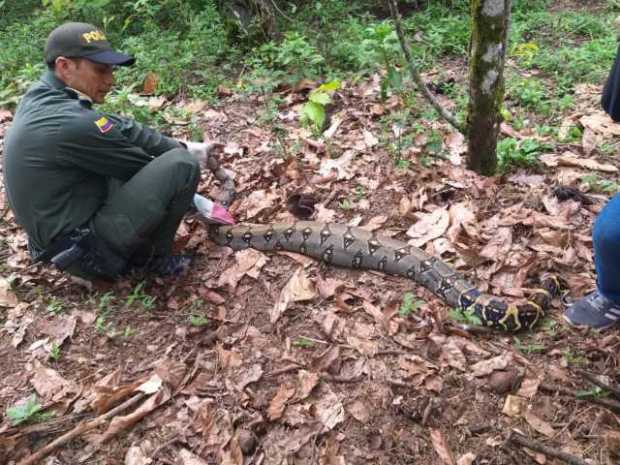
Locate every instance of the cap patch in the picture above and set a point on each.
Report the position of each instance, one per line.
(104, 124)
(93, 36)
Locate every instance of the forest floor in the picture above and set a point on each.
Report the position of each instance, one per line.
(258, 358)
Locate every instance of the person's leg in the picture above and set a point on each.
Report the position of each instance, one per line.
(601, 309)
(606, 241)
(144, 213)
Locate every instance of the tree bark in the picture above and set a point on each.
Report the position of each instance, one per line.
(490, 23)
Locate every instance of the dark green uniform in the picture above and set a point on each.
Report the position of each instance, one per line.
(61, 158)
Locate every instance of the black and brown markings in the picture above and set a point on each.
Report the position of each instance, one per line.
(399, 254)
(358, 259)
(269, 235)
(229, 237)
(373, 245)
(348, 239)
(325, 234)
(288, 233)
(382, 263)
(328, 254)
(247, 237)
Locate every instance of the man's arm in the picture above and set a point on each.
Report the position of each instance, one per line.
(149, 140)
(110, 146)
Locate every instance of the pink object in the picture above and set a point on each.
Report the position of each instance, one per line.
(211, 212)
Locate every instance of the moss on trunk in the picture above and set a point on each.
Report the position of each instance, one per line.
(490, 22)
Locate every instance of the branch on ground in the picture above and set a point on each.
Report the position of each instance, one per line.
(415, 74)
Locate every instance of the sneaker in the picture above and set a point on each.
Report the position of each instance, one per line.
(594, 311)
(170, 265)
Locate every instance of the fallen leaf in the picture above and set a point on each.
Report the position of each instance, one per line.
(7, 297)
(298, 288)
(589, 141)
(456, 144)
(600, 122)
(189, 458)
(136, 456)
(538, 424)
(429, 227)
(369, 139)
(329, 410)
(486, 367)
(513, 406)
(441, 447)
(277, 405)
(258, 201)
(570, 159)
(341, 166)
(466, 459)
(48, 383)
(150, 83)
(452, 354)
(248, 262)
(359, 411)
(375, 223)
(306, 382)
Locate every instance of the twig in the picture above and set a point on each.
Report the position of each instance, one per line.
(548, 451)
(415, 74)
(611, 404)
(596, 381)
(82, 427)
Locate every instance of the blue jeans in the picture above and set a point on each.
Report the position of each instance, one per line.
(606, 241)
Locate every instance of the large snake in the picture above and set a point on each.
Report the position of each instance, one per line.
(357, 248)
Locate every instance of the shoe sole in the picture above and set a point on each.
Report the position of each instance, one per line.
(604, 328)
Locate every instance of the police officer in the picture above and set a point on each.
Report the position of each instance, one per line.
(96, 193)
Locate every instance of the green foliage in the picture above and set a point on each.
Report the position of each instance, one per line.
(528, 348)
(303, 342)
(409, 305)
(27, 412)
(198, 320)
(55, 352)
(138, 295)
(512, 153)
(465, 316)
(595, 184)
(313, 112)
(55, 306)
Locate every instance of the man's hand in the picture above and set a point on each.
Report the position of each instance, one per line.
(202, 150)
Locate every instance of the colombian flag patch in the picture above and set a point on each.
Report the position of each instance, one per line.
(104, 124)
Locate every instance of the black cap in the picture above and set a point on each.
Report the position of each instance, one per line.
(81, 40)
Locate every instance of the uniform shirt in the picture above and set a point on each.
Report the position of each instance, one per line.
(59, 154)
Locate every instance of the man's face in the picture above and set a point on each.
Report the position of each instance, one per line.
(90, 78)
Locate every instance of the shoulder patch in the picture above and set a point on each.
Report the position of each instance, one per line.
(104, 124)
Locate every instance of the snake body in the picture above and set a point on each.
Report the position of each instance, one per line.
(357, 248)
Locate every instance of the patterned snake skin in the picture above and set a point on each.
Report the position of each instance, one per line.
(357, 248)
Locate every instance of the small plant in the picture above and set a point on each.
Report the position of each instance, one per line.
(345, 204)
(465, 316)
(409, 305)
(198, 320)
(573, 359)
(138, 295)
(519, 154)
(128, 331)
(595, 392)
(55, 306)
(55, 352)
(28, 412)
(529, 348)
(313, 112)
(303, 342)
(596, 184)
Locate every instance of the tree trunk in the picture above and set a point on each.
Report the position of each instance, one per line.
(490, 22)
